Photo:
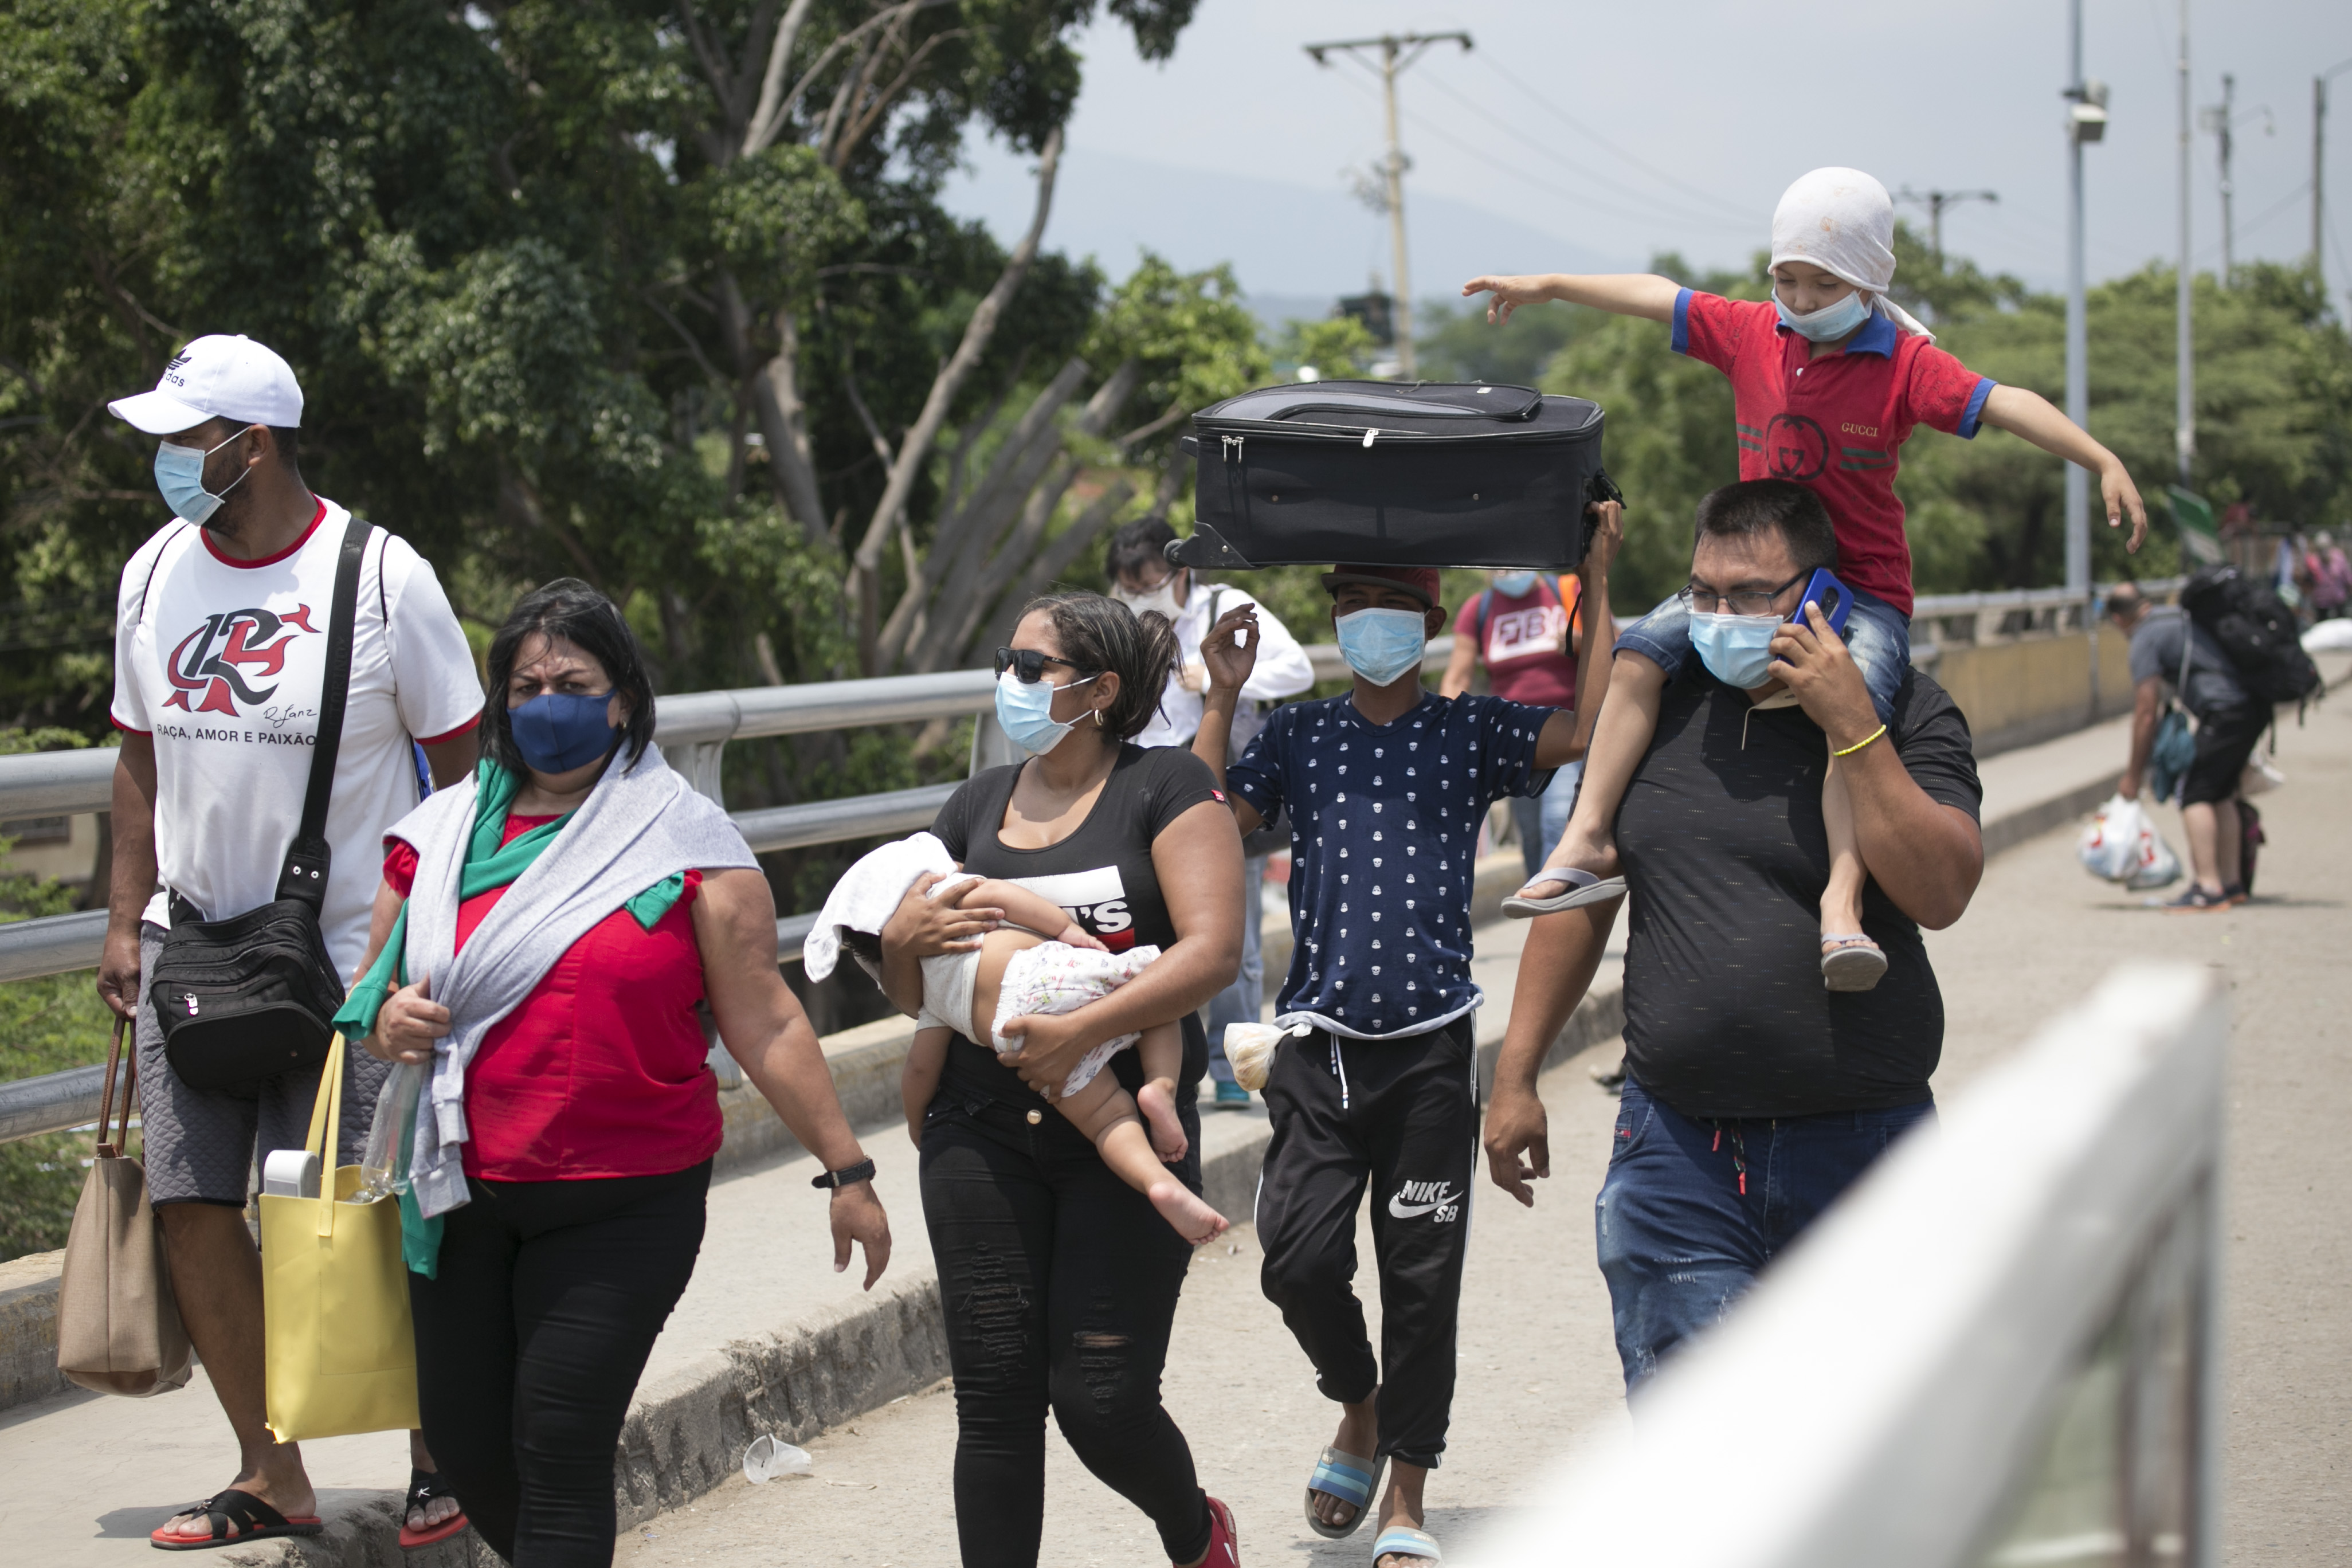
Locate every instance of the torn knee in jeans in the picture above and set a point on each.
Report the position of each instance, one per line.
(995, 1310)
(1102, 1367)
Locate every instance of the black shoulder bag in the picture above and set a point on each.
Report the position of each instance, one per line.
(255, 995)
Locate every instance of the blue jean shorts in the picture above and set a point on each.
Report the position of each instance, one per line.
(1876, 633)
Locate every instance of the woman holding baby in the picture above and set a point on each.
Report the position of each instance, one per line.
(1059, 1277)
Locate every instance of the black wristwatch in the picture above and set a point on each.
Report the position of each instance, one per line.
(847, 1176)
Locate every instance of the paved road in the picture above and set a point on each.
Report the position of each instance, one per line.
(1539, 1373)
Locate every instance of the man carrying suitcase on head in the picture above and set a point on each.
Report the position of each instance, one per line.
(220, 670)
(1386, 787)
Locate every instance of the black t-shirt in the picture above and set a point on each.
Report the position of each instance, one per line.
(1727, 859)
(1102, 874)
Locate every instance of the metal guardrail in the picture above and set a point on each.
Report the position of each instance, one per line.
(54, 1102)
(62, 1101)
(2000, 1350)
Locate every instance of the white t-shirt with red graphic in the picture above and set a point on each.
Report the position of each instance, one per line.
(223, 661)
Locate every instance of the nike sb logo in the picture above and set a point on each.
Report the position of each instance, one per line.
(1416, 1199)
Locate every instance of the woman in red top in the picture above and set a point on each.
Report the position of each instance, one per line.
(587, 1116)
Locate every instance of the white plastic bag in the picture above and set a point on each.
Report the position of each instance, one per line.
(2156, 866)
(2109, 848)
(1250, 1049)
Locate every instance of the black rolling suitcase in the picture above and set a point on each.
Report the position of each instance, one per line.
(1403, 473)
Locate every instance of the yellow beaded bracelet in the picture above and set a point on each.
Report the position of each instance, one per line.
(1861, 743)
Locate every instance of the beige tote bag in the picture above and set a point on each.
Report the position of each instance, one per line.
(119, 1331)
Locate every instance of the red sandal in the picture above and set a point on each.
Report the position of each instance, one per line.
(254, 1520)
(1224, 1540)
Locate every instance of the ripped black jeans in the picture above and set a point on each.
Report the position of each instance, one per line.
(1060, 1284)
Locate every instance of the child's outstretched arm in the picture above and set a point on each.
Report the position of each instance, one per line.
(1619, 293)
(2033, 416)
(1031, 911)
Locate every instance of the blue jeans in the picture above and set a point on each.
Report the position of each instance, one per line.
(1542, 818)
(1679, 1238)
(1876, 633)
(1244, 999)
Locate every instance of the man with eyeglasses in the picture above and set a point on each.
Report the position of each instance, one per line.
(1753, 1095)
(1143, 579)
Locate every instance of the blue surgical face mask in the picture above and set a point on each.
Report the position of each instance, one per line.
(1828, 323)
(179, 475)
(1513, 584)
(557, 732)
(1383, 644)
(1735, 649)
(1025, 713)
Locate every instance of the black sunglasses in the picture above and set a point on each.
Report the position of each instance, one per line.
(1027, 663)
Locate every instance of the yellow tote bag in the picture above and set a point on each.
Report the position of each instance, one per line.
(341, 1353)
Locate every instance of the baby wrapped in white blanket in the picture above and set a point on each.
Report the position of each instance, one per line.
(1039, 962)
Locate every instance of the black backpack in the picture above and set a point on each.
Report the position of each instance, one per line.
(2256, 630)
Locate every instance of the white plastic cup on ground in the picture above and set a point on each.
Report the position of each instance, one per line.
(767, 1458)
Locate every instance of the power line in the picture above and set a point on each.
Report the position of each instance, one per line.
(1487, 159)
(1581, 129)
(1719, 219)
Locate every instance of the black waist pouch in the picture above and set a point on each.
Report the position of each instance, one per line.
(255, 995)
(1402, 474)
(246, 998)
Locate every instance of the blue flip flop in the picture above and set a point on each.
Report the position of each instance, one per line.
(1406, 1541)
(1351, 1478)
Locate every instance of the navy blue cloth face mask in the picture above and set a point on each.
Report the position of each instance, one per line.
(557, 732)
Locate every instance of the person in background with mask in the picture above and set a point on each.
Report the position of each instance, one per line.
(1141, 579)
(220, 657)
(1387, 786)
(1525, 628)
(1753, 1095)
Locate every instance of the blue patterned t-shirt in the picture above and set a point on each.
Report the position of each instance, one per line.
(1384, 823)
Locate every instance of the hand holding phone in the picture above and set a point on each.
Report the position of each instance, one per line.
(1834, 598)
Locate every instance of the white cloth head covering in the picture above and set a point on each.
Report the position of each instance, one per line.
(868, 895)
(1843, 221)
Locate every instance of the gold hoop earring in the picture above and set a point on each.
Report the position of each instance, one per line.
(1098, 718)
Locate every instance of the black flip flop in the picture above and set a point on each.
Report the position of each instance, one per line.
(254, 1520)
(424, 1486)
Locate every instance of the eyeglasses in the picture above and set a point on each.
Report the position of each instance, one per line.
(1027, 663)
(1749, 603)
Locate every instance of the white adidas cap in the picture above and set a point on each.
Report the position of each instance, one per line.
(217, 377)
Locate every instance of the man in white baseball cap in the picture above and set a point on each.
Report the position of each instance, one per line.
(220, 664)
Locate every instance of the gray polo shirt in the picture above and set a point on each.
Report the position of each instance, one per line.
(2213, 684)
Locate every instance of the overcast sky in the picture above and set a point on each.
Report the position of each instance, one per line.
(1578, 135)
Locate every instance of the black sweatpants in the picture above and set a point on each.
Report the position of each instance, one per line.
(1060, 1283)
(529, 1343)
(1401, 1114)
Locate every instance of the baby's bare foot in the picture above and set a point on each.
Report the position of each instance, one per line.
(1157, 1101)
(1196, 1221)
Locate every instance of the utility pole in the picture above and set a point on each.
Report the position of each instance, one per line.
(2184, 416)
(2318, 170)
(1396, 53)
(1935, 201)
(2086, 122)
(2215, 117)
(2220, 119)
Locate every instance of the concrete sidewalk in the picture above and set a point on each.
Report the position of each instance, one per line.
(767, 1337)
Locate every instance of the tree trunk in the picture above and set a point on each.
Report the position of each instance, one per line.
(916, 446)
